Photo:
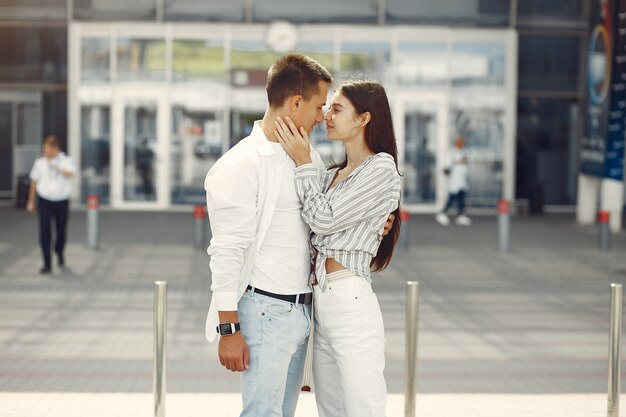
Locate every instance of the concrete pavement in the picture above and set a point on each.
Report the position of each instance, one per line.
(532, 322)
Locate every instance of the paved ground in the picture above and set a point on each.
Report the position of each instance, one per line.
(533, 321)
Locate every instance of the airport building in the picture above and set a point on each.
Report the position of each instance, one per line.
(146, 95)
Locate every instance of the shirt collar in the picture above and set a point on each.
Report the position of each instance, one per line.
(261, 141)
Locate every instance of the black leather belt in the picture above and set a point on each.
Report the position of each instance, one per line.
(292, 298)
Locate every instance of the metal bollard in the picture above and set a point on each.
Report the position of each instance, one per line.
(93, 227)
(504, 225)
(410, 347)
(404, 240)
(615, 342)
(605, 232)
(200, 226)
(160, 347)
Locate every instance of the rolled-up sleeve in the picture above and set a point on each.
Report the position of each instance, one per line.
(231, 192)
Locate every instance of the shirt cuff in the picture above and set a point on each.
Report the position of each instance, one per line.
(226, 300)
(306, 170)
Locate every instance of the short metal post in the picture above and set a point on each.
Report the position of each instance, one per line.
(93, 226)
(504, 225)
(605, 232)
(615, 342)
(410, 347)
(404, 240)
(200, 226)
(160, 347)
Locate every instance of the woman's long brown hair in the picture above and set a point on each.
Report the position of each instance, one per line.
(370, 96)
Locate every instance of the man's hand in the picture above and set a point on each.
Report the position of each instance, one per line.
(234, 353)
(388, 224)
(30, 206)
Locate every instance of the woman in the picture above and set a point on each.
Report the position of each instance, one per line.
(347, 209)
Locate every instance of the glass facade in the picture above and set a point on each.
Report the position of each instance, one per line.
(233, 63)
(95, 154)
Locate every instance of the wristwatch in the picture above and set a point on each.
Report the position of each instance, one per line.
(227, 329)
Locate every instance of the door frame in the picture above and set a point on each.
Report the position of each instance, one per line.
(162, 161)
(440, 101)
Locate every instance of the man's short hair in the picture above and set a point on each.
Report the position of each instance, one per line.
(52, 141)
(294, 74)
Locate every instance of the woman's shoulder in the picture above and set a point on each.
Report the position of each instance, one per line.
(383, 160)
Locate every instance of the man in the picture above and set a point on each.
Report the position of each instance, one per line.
(260, 260)
(456, 170)
(51, 182)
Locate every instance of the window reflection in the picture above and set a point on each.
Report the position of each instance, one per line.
(422, 64)
(371, 59)
(105, 10)
(420, 127)
(483, 12)
(326, 11)
(33, 10)
(95, 59)
(140, 60)
(195, 146)
(194, 60)
(140, 152)
(476, 64)
(202, 10)
(95, 151)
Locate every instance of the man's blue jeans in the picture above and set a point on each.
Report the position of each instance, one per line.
(277, 333)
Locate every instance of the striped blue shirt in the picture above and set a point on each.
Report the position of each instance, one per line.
(348, 222)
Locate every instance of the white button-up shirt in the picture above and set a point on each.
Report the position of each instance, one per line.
(242, 189)
(51, 184)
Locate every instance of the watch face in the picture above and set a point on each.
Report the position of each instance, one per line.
(225, 328)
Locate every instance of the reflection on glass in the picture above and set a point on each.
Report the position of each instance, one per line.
(95, 151)
(420, 127)
(33, 10)
(6, 157)
(370, 59)
(195, 60)
(241, 124)
(550, 63)
(483, 130)
(196, 145)
(107, 10)
(95, 59)
(477, 64)
(555, 9)
(251, 55)
(140, 150)
(324, 11)
(422, 64)
(33, 54)
(140, 60)
(28, 145)
(483, 12)
(331, 151)
(202, 10)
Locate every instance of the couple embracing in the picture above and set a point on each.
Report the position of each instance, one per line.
(293, 239)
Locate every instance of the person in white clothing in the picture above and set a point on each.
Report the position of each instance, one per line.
(456, 169)
(51, 185)
(347, 209)
(260, 260)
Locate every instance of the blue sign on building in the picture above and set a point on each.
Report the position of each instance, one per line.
(602, 150)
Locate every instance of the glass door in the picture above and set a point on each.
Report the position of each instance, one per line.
(139, 151)
(421, 127)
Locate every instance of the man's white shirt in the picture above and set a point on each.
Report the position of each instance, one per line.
(51, 184)
(456, 161)
(245, 191)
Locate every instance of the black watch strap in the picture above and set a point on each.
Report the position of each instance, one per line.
(226, 329)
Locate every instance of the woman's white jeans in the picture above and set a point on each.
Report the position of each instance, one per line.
(349, 349)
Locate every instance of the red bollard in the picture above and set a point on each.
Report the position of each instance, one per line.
(504, 225)
(404, 240)
(93, 229)
(200, 226)
(604, 218)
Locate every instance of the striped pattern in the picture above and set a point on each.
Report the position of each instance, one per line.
(348, 220)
